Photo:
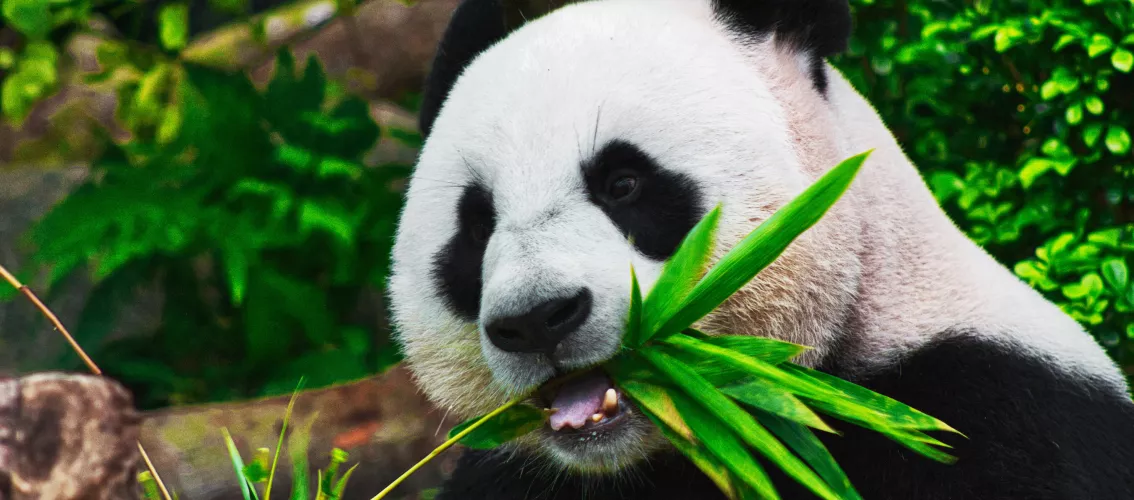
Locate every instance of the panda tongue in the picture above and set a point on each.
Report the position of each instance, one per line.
(578, 400)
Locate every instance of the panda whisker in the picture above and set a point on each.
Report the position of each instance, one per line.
(594, 136)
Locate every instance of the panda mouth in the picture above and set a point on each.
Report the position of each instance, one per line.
(586, 403)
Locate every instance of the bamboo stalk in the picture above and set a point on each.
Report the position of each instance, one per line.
(11, 279)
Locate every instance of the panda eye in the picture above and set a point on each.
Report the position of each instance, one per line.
(480, 233)
(623, 185)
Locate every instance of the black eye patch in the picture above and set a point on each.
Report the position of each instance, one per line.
(457, 266)
(653, 206)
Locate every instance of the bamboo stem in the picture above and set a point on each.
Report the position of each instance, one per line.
(11, 279)
(446, 445)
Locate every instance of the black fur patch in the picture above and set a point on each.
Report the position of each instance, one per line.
(822, 27)
(1032, 435)
(664, 210)
(490, 475)
(476, 25)
(458, 264)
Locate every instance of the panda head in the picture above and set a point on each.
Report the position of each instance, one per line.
(590, 140)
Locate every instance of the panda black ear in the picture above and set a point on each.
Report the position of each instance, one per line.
(819, 27)
(475, 26)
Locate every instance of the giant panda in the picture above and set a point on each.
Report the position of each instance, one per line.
(591, 139)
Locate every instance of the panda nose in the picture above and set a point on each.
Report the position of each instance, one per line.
(541, 329)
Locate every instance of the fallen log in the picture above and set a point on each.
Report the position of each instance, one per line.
(384, 423)
(72, 437)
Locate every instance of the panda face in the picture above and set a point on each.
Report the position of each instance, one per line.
(587, 142)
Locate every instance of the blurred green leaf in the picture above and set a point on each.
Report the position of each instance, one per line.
(173, 19)
(30, 17)
(1116, 274)
(1117, 139)
(1122, 60)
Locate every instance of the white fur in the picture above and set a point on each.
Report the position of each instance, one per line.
(740, 116)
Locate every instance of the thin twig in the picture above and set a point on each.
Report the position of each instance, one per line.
(11, 279)
(446, 445)
(153, 470)
(51, 317)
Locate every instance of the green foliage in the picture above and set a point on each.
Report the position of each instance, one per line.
(698, 389)
(258, 219)
(1017, 112)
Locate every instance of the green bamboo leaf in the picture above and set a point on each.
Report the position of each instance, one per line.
(633, 335)
(719, 374)
(680, 273)
(802, 386)
(765, 349)
(769, 397)
(763, 245)
(722, 442)
(811, 449)
(771, 351)
(657, 401)
(737, 419)
(508, 425)
(340, 485)
(709, 464)
(898, 413)
(238, 464)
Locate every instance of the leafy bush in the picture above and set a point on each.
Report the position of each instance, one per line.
(1018, 113)
(251, 208)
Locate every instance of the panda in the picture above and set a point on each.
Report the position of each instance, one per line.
(591, 139)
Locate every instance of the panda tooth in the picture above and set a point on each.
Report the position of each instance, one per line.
(596, 417)
(610, 401)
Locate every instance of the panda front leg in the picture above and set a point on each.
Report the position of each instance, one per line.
(1034, 431)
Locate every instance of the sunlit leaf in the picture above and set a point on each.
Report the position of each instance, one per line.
(508, 425)
(1122, 59)
(769, 397)
(764, 245)
(1117, 139)
(633, 334)
(896, 413)
(737, 419)
(680, 273)
(173, 22)
(812, 450)
(722, 442)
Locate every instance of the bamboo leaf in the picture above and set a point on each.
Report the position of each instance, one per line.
(280, 442)
(735, 418)
(763, 245)
(680, 273)
(770, 351)
(709, 464)
(723, 443)
(894, 412)
(803, 386)
(658, 402)
(238, 464)
(633, 336)
(763, 395)
(341, 484)
(811, 449)
(508, 425)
